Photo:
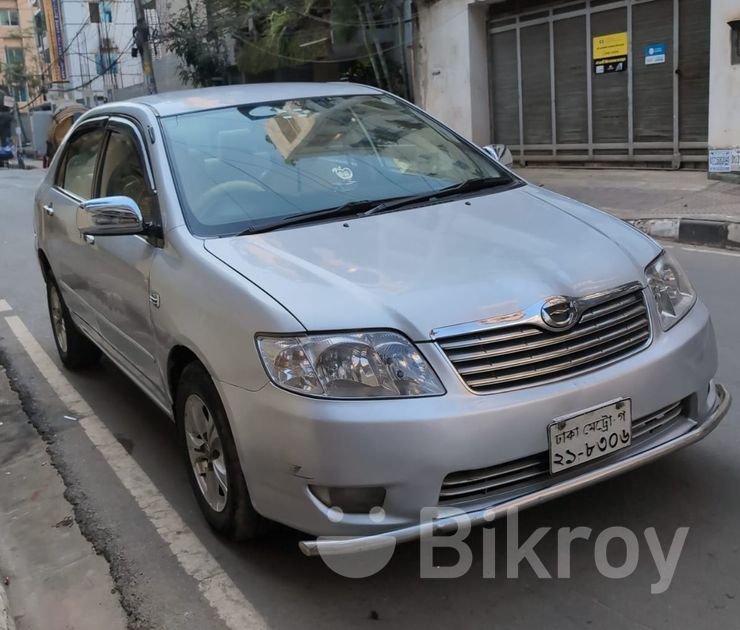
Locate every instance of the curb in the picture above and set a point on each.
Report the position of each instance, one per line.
(712, 233)
(6, 621)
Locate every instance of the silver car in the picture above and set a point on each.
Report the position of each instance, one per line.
(352, 313)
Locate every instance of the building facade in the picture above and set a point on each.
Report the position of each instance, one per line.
(19, 59)
(724, 91)
(87, 48)
(582, 81)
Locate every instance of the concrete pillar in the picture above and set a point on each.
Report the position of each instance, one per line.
(724, 86)
(451, 59)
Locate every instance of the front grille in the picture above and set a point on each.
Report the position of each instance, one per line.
(518, 356)
(525, 475)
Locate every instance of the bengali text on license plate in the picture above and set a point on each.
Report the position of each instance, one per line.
(590, 434)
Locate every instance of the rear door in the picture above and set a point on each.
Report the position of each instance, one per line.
(66, 249)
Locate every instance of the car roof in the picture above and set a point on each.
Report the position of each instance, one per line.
(183, 101)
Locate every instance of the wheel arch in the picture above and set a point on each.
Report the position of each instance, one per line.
(45, 265)
(180, 356)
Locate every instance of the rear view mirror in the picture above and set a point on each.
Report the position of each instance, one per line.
(109, 216)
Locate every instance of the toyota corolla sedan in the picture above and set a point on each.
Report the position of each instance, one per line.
(352, 313)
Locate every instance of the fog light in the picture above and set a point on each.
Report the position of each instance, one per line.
(350, 500)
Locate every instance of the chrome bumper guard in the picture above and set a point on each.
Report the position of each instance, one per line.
(356, 544)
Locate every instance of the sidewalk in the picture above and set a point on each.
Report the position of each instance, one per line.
(50, 576)
(643, 194)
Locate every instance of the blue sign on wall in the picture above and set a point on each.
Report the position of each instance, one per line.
(654, 53)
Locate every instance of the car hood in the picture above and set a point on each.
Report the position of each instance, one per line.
(449, 263)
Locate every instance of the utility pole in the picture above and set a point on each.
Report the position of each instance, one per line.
(19, 135)
(141, 36)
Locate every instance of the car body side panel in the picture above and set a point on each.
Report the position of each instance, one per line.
(213, 311)
(119, 293)
(66, 251)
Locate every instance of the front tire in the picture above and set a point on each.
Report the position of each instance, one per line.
(210, 457)
(75, 350)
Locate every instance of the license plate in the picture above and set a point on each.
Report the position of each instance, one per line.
(590, 434)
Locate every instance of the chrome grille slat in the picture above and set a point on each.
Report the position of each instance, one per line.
(609, 307)
(521, 475)
(636, 424)
(491, 338)
(577, 332)
(556, 354)
(564, 365)
(649, 427)
(447, 493)
(524, 354)
(471, 476)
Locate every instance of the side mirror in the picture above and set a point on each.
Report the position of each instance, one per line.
(109, 216)
(500, 153)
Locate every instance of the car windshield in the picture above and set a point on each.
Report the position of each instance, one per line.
(241, 166)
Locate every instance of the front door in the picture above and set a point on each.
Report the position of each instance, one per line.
(67, 250)
(121, 264)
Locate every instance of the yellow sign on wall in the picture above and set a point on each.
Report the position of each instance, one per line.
(606, 46)
(610, 53)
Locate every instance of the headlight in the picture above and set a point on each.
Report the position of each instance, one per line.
(674, 296)
(349, 365)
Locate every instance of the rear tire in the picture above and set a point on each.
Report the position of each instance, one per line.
(210, 457)
(75, 350)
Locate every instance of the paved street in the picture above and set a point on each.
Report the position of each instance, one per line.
(278, 587)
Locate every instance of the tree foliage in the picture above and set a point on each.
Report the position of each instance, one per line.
(265, 35)
(199, 47)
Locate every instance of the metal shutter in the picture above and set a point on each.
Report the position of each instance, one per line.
(570, 80)
(609, 91)
(541, 60)
(505, 88)
(652, 23)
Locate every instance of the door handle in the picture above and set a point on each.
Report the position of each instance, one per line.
(49, 210)
(89, 239)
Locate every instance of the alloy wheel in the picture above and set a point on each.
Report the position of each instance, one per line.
(206, 453)
(57, 318)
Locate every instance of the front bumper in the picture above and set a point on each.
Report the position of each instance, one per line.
(288, 442)
(335, 546)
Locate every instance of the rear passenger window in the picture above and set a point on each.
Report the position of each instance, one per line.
(78, 167)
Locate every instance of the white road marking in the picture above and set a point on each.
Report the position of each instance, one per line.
(704, 250)
(4, 307)
(214, 584)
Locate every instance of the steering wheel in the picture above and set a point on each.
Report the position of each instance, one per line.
(208, 201)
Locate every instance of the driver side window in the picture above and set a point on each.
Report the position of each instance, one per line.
(123, 173)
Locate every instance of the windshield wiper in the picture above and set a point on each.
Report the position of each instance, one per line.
(365, 207)
(469, 185)
(349, 208)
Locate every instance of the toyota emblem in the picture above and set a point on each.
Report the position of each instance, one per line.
(560, 312)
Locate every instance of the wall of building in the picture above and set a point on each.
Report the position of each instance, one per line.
(166, 64)
(451, 66)
(724, 82)
(83, 40)
(22, 37)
